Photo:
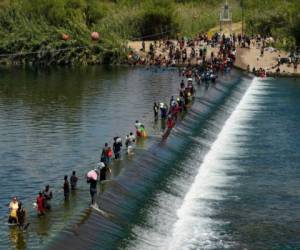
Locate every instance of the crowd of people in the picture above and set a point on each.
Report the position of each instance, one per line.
(204, 73)
(184, 51)
(18, 215)
(110, 153)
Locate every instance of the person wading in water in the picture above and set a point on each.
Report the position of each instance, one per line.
(66, 188)
(73, 181)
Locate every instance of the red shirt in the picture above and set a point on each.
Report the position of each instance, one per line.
(170, 123)
(40, 203)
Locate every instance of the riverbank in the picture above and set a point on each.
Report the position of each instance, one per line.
(249, 58)
(161, 52)
(59, 32)
(246, 58)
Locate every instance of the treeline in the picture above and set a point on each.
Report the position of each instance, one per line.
(42, 26)
(277, 18)
(59, 31)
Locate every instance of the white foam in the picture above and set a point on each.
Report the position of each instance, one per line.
(193, 200)
(193, 224)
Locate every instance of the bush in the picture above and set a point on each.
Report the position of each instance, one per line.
(274, 18)
(94, 12)
(295, 27)
(32, 25)
(157, 17)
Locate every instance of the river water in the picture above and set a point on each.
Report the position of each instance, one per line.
(55, 121)
(226, 178)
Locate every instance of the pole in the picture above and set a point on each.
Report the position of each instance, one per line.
(242, 5)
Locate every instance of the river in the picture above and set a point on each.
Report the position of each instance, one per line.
(53, 121)
(226, 178)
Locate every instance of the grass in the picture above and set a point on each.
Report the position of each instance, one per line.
(31, 26)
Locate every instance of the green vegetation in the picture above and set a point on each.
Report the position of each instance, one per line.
(39, 26)
(277, 18)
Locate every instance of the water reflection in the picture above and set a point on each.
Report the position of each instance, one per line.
(17, 238)
(53, 121)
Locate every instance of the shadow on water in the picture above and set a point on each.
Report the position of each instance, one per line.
(17, 238)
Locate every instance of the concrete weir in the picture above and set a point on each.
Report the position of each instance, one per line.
(125, 195)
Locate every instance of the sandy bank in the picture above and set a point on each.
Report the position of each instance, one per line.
(268, 61)
(244, 57)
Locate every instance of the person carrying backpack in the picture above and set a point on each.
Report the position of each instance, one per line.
(21, 215)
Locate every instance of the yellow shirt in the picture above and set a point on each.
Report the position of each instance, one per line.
(13, 209)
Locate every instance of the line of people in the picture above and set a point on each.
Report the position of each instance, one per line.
(205, 72)
(18, 215)
(100, 173)
(169, 113)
